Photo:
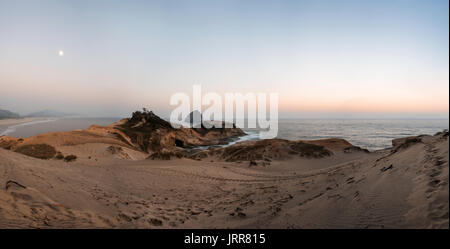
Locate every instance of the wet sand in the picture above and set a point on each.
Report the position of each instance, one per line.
(5, 123)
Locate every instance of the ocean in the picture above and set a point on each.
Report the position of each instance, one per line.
(53, 124)
(372, 134)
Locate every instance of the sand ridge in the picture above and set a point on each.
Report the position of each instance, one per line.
(402, 187)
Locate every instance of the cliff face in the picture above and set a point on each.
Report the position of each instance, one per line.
(149, 133)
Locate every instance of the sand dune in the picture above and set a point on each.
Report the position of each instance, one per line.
(112, 185)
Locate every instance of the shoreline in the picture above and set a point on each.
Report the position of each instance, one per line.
(7, 122)
(10, 124)
(137, 174)
(7, 126)
(371, 138)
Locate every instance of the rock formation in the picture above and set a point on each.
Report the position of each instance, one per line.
(279, 149)
(150, 133)
(144, 132)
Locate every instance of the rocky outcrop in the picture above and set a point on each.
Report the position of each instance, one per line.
(266, 150)
(143, 131)
(194, 119)
(149, 133)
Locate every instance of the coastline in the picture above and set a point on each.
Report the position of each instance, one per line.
(10, 123)
(369, 138)
(137, 173)
(5, 123)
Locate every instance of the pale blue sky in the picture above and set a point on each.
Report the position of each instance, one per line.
(325, 58)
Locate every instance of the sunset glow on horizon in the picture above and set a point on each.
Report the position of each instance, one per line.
(372, 57)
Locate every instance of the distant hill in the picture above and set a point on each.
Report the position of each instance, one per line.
(49, 113)
(8, 114)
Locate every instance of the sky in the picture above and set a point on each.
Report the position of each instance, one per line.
(325, 58)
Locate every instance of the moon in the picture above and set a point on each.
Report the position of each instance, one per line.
(61, 53)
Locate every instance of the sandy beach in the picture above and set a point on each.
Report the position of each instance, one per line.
(5, 123)
(116, 183)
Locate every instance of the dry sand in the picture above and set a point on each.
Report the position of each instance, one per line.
(117, 188)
